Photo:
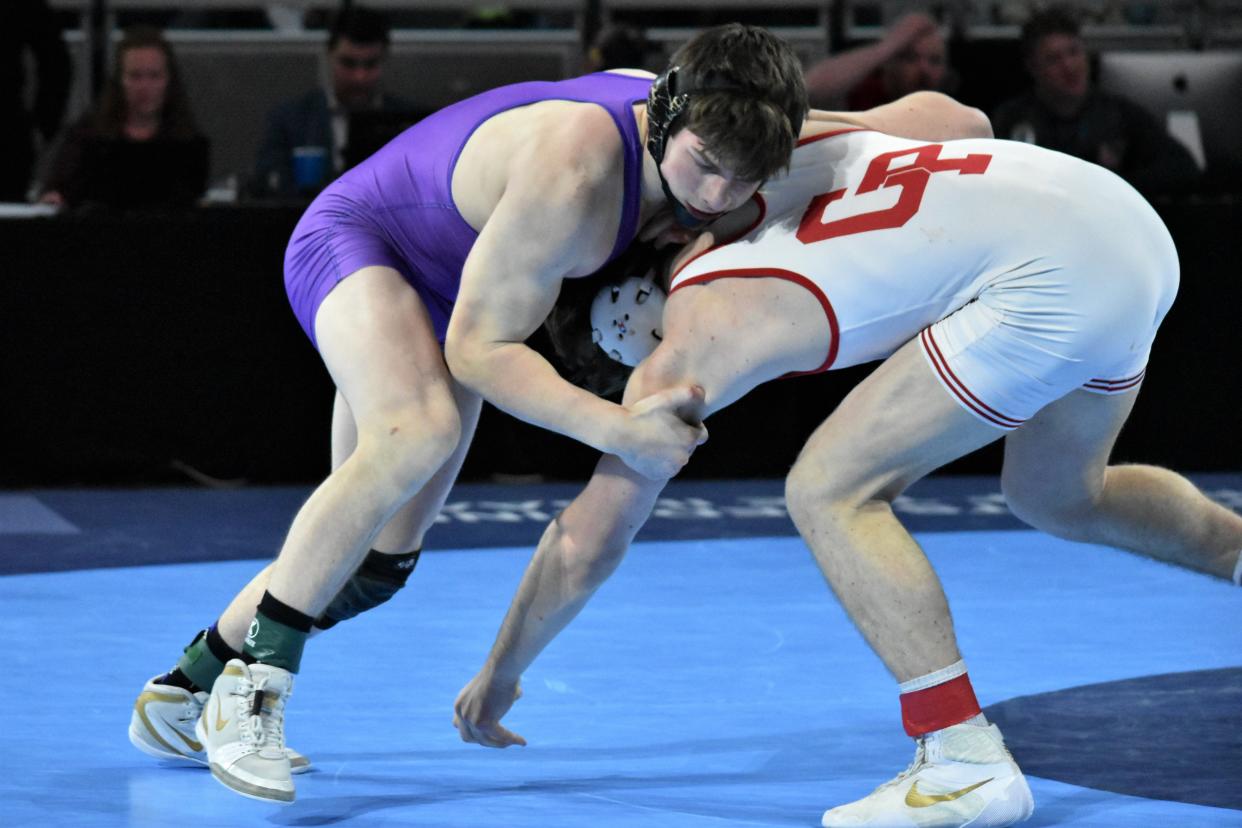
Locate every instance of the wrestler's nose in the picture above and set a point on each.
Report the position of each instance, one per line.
(720, 194)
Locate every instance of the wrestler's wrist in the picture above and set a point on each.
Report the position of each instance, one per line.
(612, 431)
(500, 673)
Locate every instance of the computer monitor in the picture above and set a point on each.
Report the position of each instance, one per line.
(372, 128)
(140, 174)
(1206, 83)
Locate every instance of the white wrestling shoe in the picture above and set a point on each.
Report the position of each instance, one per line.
(961, 776)
(162, 725)
(242, 728)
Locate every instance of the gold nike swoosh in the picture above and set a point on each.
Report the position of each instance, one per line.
(221, 724)
(146, 698)
(916, 799)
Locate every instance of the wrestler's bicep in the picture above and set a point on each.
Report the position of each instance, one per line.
(555, 220)
(513, 274)
(501, 304)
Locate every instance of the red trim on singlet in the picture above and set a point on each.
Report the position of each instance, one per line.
(763, 204)
(959, 388)
(763, 212)
(776, 273)
(813, 138)
(1115, 386)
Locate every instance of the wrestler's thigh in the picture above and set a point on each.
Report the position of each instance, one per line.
(1059, 455)
(896, 426)
(379, 344)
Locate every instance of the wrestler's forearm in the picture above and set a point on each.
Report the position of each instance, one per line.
(553, 591)
(579, 550)
(519, 381)
(933, 116)
(919, 116)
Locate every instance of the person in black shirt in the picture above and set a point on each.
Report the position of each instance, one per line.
(1065, 112)
(140, 147)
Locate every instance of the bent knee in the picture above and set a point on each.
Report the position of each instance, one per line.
(410, 442)
(815, 498)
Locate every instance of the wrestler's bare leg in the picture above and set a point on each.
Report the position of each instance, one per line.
(1057, 478)
(898, 425)
(378, 343)
(403, 533)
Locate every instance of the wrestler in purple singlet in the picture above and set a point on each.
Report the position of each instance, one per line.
(396, 208)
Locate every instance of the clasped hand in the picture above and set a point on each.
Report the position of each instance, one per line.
(661, 432)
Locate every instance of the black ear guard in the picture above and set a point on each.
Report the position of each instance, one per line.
(667, 101)
(664, 105)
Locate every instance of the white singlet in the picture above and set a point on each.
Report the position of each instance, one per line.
(1026, 273)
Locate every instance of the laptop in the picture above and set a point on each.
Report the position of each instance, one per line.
(138, 174)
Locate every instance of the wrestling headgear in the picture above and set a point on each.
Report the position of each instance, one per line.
(627, 319)
(666, 102)
(664, 105)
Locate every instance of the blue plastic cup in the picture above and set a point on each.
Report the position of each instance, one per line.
(310, 167)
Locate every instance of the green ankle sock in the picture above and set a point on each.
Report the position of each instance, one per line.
(276, 642)
(199, 664)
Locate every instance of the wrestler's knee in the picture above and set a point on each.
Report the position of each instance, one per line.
(815, 500)
(404, 445)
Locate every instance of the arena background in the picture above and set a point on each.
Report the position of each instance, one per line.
(158, 348)
(164, 417)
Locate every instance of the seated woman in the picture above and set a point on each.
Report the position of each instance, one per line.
(140, 147)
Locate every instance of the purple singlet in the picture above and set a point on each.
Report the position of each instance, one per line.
(396, 208)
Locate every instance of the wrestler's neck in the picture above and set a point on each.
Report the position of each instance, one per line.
(652, 199)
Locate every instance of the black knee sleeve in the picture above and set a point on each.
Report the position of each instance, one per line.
(375, 581)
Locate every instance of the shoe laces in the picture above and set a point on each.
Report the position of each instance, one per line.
(260, 714)
(920, 759)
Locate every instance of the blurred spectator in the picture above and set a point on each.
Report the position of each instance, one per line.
(1063, 111)
(911, 56)
(313, 129)
(140, 147)
(623, 47)
(28, 26)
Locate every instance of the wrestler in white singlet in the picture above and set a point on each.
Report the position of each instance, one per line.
(1026, 273)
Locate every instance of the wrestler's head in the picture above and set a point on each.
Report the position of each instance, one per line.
(605, 324)
(724, 117)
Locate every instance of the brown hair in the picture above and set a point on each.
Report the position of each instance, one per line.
(568, 326)
(361, 26)
(752, 100)
(176, 119)
(1054, 20)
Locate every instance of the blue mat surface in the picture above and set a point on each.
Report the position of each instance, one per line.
(711, 682)
(57, 530)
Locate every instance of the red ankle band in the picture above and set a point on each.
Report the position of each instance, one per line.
(938, 707)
